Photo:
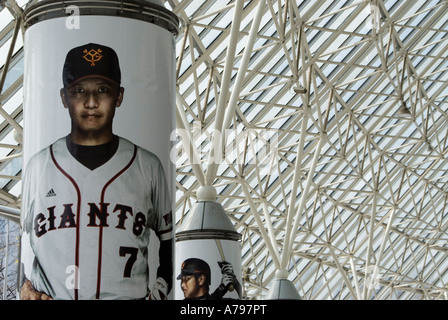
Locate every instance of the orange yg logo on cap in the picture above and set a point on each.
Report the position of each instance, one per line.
(92, 56)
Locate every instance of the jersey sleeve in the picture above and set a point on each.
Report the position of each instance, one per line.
(27, 256)
(31, 177)
(162, 205)
(160, 217)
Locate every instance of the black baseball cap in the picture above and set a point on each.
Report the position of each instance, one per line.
(195, 266)
(91, 60)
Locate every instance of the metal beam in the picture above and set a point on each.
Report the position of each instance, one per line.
(10, 213)
(224, 91)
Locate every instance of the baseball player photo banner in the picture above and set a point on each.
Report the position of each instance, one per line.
(98, 181)
(208, 269)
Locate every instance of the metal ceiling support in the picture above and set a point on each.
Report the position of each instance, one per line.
(343, 273)
(363, 135)
(10, 51)
(14, 8)
(364, 167)
(188, 142)
(224, 91)
(3, 113)
(10, 213)
(266, 237)
(371, 283)
(303, 199)
(291, 211)
(242, 69)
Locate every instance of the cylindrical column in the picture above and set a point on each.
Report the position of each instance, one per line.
(98, 183)
(282, 288)
(208, 253)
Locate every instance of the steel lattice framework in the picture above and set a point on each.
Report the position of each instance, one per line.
(321, 124)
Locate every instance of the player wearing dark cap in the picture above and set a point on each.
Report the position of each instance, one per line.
(92, 91)
(92, 197)
(195, 276)
(195, 279)
(91, 60)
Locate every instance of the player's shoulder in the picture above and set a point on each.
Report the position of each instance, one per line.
(39, 156)
(44, 153)
(39, 161)
(143, 154)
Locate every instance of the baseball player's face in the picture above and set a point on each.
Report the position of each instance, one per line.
(192, 286)
(91, 103)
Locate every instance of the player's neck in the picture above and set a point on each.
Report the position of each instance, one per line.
(90, 139)
(95, 156)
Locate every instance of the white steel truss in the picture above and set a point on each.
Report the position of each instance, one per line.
(321, 124)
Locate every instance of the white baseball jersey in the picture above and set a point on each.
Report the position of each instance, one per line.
(88, 230)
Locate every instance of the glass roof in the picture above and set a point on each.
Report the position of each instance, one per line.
(335, 115)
